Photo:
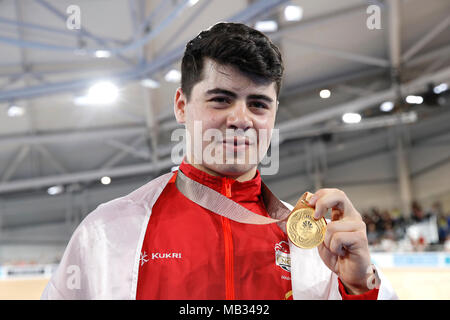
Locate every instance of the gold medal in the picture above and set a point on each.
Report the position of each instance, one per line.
(303, 230)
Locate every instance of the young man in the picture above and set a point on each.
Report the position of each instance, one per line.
(157, 243)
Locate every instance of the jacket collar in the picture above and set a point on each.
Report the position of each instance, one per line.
(246, 191)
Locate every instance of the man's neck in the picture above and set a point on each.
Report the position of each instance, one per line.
(244, 177)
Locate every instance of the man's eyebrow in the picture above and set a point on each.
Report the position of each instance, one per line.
(260, 97)
(221, 91)
(234, 95)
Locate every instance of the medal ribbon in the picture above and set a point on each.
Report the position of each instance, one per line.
(216, 202)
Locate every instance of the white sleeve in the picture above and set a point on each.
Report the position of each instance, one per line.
(385, 290)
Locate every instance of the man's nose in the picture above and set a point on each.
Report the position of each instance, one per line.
(239, 117)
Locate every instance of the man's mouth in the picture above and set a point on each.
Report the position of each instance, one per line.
(237, 141)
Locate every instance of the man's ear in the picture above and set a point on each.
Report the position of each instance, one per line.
(179, 106)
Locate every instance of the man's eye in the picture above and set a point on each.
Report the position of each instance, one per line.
(258, 105)
(220, 100)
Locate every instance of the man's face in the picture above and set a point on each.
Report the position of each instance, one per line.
(229, 120)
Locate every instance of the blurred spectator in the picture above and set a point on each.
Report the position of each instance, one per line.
(417, 214)
(388, 232)
(419, 243)
(377, 219)
(398, 219)
(372, 234)
(396, 215)
(388, 241)
(387, 229)
(442, 221)
(386, 218)
(436, 208)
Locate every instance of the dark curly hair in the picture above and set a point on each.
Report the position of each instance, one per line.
(233, 44)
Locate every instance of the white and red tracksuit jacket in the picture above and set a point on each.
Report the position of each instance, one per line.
(156, 244)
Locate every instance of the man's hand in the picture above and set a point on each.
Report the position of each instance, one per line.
(345, 249)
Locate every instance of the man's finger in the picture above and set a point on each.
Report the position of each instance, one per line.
(342, 226)
(341, 242)
(325, 199)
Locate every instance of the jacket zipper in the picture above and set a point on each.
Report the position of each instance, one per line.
(228, 243)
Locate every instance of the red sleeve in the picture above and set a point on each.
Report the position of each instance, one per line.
(369, 295)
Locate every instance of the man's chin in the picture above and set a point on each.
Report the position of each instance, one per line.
(232, 170)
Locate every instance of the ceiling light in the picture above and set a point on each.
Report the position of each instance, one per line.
(15, 111)
(100, 93)
(105, 180)
(266, 26)
(440, 88)
(351, 118)
(55, 190)
(103, 92)
(102, 54)
(387, 106)
(192, 3)
(325, 93)
(414, 99)
(293, 13)
(173, 76)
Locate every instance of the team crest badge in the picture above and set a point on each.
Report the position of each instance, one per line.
(282, 256)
